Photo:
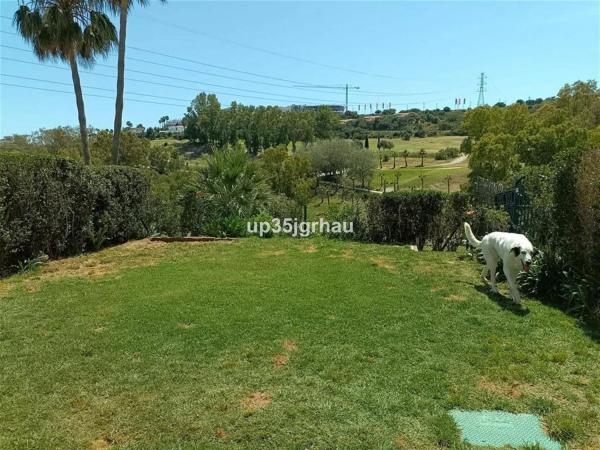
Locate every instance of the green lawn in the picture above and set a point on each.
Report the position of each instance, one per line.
(429, 144)
(279, 343)
(435, 177)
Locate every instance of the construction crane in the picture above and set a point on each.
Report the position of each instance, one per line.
(345, 87)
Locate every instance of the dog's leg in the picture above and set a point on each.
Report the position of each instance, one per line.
(491, 263)
(484, 273)
(512, 283)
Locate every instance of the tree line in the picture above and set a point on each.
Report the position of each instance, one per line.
(260, 127)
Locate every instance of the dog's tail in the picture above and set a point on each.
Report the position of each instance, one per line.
(471, 237)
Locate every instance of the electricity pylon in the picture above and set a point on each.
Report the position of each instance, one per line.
(481, 99)
(345, 87)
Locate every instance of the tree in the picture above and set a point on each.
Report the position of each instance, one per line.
(129, 124)
(287, 174)
(122, 8)
(203, 120)
(71, 31)
(163, 120)
(326, 122)
(422, 154)
(367, 141)
(494, 157)
(405, 154)
(386, 144)
(135, 151)
(361, 165)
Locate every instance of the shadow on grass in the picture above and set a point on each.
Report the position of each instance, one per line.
(502, 301)
(590, 327)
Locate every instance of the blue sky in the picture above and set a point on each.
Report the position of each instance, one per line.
(403, 53)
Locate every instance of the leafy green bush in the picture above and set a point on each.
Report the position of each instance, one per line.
(446, 232)
(403, 217)
(58, 207)
(565, 225)
(447, 153)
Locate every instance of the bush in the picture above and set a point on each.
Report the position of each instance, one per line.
(403, 217)
(447, 153)
(58, 207)
(564, 224)
(446, 233)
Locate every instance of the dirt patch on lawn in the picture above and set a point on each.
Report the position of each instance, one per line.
(273, 253)
(141, 253)
(347, 254)
(256, 401)
(383, 263)
(504, 389)
(310, 249)
(185, 325)
(280, 360)
(455, 298)
(290, 346)
(220, 433)
(5, 288)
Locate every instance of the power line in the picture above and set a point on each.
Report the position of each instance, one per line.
(89, 95)
(306, 86)
(149, 82)
(271, 52)
(286, 97)
(93, 87)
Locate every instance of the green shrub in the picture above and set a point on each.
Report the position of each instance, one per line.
(565, 214)
(447, 153)
(446, 232)
(58, 207)
(403, 217)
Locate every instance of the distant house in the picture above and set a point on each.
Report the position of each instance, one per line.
(137, 130)
(174, 126)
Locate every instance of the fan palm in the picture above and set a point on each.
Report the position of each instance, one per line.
(232, 185)
(122, 8)
(71, 31)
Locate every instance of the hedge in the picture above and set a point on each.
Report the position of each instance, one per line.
(58, 207)
(424, 218)
(403, 217)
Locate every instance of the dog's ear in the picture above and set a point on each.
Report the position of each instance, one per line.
(516, 251)
(536, 251)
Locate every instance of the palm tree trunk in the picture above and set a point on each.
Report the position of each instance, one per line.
(83, 132)
(120, 82)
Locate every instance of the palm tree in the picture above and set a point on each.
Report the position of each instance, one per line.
(71, 31)
(405, 154)
(122, 8)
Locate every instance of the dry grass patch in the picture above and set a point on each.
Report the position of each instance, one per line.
(290, 346)
(273, 253)
(256, 401)
(280, 360)
(220, 433)
(5, 288)
(512, 390)
(106, 442)
(132, 254)
(310, 249)
(383, 263)
(455, 298)
(185, 325)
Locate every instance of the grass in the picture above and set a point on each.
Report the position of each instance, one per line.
(429, 144)
(435, 177)
(279, 343)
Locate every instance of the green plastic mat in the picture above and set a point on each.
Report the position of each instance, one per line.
(498, 428)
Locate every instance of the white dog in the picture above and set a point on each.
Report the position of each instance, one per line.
(515, 251)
